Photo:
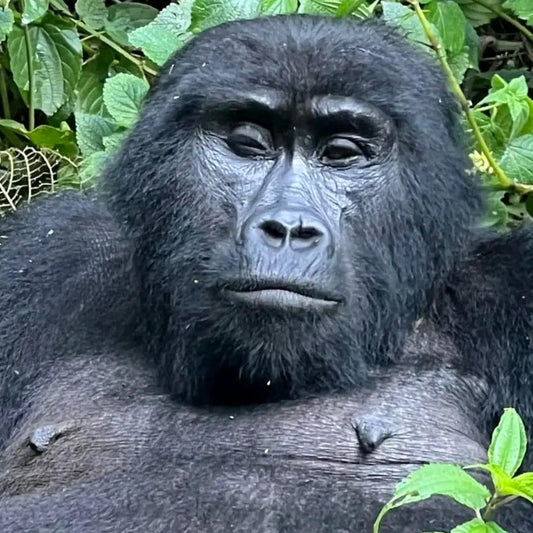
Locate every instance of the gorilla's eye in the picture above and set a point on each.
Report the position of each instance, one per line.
(250, 140)
(340, 150)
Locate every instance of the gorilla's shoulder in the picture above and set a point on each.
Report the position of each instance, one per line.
(487, 308)
(63, 258)
(499, 269)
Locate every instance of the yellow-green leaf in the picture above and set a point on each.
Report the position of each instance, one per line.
(509, 442)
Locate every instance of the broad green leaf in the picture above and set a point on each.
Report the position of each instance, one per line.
(90, 89)
(6, 22)
(444, 480)
(278, 7)
(13, 125)
(437, 479)
(56, 56)
(508, 446)
(34, 9)
(496, 212)
(123, 97)
(521, 485)
(90, 131)
(350, 7)
(449, 19)
(163, 36)
(126, 17)
(517, 162)
(506, 485)
(114, 141)
(459, 63)
(521, 8)
(478, 526)
(474, 47)
(407, 22)
(92, 12)
(61, 139)
(478, 14)
(208, 13)
(319, 7)
(92, 167)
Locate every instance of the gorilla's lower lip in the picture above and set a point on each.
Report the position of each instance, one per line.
(280, 298)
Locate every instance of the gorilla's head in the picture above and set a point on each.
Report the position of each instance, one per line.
(296, 190)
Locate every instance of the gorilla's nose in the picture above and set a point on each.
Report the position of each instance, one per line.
(297, 229)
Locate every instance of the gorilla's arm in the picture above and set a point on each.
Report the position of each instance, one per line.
(487, 308)
(66, 282)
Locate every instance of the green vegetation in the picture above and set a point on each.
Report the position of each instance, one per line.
(73, 76)
(505, 455)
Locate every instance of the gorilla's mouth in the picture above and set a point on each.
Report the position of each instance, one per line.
(281, 295)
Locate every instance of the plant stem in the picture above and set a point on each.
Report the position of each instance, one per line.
(494, 503)
(31, 99)
(508, 18)
(107, 41)
(3, 94)
(504, 180)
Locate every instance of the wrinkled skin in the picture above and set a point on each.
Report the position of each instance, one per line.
(275, 307)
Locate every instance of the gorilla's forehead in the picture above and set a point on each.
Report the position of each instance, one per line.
(302, 56)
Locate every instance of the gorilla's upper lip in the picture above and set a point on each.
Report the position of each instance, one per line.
(275, 293)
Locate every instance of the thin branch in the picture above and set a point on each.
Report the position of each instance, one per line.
(31, 96)
(6, 108)
(504, 180)
(520, 27)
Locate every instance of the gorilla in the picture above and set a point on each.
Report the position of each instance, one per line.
(277, 304)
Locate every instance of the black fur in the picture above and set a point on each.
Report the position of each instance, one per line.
(110, 323)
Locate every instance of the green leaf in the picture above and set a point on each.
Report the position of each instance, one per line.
(437, 479)
(278, 7)
(508, 446)
(319, 7)
(474, 47)
(56, 54)
(350, 7)
(92, 167)
(522, 8)
(478, 14)
(521, 485)
(496, 213)
(114, 141)
(512, 111)
(90, 89)
(126, 17)
(162, 37)
(123, 97)
(6, 22)
(444, 480)
(34, 9)
(450, 21)
(92, 12)
(517, 162)
(61, 139)
(459, 64)
(90, 131)
(209, 13)
(407, 22)
(478, 526)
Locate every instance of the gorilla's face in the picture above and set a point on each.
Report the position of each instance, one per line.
(294, 203)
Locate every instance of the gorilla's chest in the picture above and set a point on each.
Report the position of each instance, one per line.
(265, 464)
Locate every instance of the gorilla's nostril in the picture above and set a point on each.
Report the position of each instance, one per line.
(304, 233)
(274, 229)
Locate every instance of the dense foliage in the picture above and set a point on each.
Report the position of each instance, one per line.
(73, 76)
